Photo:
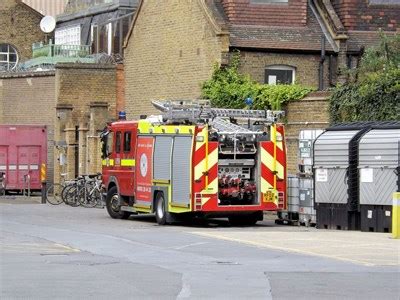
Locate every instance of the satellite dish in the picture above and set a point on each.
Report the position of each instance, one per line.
(47, 24)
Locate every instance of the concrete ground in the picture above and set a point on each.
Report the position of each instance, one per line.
(60, 252)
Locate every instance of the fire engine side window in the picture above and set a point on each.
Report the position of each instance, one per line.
(127, 141)
(109, 144)
(118, 142)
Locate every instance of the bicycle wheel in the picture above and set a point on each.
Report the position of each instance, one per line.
(71, 196)
(88, 199)
(53, 194)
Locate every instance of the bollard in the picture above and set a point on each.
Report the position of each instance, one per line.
(396, 216)
(44, 192)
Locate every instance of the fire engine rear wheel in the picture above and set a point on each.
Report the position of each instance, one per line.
(113, 205)
(161, 214)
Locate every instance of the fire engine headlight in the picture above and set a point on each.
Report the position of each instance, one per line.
(199, 139)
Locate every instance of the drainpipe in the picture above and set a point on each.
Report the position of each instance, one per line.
(321, 65)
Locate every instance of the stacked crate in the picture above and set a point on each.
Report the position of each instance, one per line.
(307, 214)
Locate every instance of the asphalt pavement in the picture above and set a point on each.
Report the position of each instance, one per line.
(61, 252)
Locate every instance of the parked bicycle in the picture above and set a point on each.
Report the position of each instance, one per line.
(2, 183)
(85, 190)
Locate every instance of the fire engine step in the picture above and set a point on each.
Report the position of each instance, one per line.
(129, 209)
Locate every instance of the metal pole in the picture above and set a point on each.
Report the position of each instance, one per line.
(44, 192)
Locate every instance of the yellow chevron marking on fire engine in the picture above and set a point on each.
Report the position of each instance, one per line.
(201, 167)
(128, 162)
(212, 187)
(202, 133)
(276, 137)
(204, 200)
(268, 192)
(265, 186)
(268, 160)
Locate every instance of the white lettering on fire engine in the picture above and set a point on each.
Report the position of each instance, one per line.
(144, 189)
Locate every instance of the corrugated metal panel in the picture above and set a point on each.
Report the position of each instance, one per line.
(162, 158)
(47, 7)
(181, 169)
(379, 148)
(334, 189)
(331, 149)
(378, 189)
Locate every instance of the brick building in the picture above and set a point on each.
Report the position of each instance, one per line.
(19, 29)
(172, 46)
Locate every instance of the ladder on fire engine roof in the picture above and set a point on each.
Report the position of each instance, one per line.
(195, 110)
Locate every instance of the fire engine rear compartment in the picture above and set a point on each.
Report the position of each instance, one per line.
(237, 180)
(237, 173)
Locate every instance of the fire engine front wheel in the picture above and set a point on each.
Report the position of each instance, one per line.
(161, 214)
(113, 205)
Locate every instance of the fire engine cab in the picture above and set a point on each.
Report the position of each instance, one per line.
(195, 160)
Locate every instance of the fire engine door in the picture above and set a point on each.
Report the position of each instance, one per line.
(181, 158)
(162, 158)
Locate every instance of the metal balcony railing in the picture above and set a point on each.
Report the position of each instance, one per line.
(52, 50)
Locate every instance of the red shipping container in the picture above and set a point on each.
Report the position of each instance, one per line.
(23, 155)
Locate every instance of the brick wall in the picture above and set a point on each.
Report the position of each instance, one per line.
(86, 99)
(19, 26)
(360, 15)
(171, 51)
(307, 66)
(293, 13)
(29, 99)
(308, 113)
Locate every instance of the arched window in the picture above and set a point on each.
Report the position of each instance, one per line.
(280, 74)
(8, 57)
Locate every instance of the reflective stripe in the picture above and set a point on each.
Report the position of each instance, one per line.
(128, 162)
(107, 162)
(34, 167)
(23, 167)
(12, 167)
(3, 168)
(145, 127)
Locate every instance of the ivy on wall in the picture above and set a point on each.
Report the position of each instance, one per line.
(229, 89)
(373, 90)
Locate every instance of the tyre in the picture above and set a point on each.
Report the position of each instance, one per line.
(71, 196)
(88, 199)
(53, 194)
(159, 207)
(113, 205)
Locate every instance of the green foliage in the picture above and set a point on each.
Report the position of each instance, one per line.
(228, 88)
(374, 93)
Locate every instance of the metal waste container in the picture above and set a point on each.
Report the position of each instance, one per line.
(379, 165)
(336, 176)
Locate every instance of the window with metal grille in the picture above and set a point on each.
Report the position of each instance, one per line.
(68, 35)
(8, 57)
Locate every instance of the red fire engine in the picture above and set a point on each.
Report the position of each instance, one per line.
(195, 160)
